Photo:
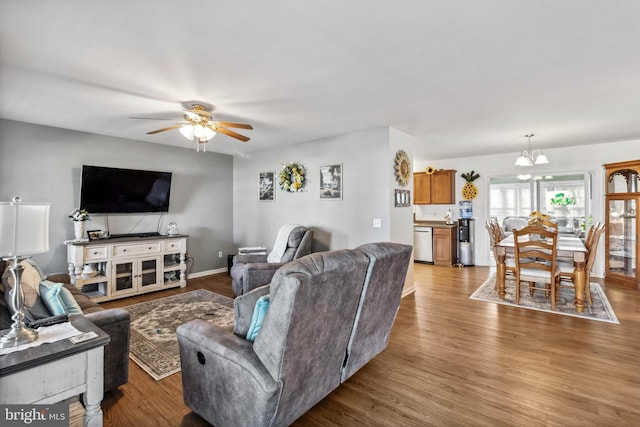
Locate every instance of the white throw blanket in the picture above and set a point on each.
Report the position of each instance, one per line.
(280, 246)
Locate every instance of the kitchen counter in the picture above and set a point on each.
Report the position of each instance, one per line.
(434, 224)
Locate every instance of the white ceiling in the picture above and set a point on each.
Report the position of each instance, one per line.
(464, 77)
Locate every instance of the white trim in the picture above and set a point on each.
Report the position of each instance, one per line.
(207, 273)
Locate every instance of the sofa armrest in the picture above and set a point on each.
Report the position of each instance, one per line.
(115, 322)
(59, 277)
(259, 274)
(223, 379)
(243, 308)
(249, 258)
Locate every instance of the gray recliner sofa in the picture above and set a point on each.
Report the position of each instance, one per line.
(252, 271)
(330, 313)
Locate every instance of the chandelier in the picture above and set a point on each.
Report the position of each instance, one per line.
(531, 157)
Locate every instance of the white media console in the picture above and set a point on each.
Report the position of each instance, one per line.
(124, 266)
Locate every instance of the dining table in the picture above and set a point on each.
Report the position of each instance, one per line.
(568, 247)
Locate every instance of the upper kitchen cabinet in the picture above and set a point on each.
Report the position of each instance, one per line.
(437, 188)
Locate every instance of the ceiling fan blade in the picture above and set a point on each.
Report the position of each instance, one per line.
(234, 125)
(231, 134)
(164, 129)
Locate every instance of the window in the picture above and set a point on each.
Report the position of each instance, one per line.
(565, 198)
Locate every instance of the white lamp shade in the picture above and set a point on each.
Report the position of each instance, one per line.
(198, 131)
(522, 161)
(24, 228)
(187, 131)
(209, 133)
(542, 159)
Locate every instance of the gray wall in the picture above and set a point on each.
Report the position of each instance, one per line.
(43, 164)
(367, 160)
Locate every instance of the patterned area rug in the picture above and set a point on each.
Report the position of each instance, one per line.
(601, 309)
(153, 344)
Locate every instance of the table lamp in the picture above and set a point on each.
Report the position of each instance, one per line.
(24, 231)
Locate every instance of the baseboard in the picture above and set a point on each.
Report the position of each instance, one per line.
(207, 273)
(408, 291)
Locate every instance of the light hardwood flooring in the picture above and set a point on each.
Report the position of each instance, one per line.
(451, 361)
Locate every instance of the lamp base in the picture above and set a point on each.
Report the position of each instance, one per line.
(18, 336)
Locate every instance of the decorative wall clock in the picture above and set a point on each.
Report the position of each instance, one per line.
(402, 168)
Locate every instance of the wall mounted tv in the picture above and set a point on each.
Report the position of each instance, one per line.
(114, 190)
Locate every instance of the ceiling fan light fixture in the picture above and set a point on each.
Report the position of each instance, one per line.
(198, 131)
(209, 133)
(187, 132)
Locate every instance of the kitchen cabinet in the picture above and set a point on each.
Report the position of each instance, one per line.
(120, 267)
(621, 219)
(437, 188)
(445, 245)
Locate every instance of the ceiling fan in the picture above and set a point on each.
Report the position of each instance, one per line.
(198, 125)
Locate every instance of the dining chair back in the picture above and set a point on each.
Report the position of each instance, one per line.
(567, 272)
(589, 239)
(535, 249)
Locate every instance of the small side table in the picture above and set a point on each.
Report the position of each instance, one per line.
(56, 371)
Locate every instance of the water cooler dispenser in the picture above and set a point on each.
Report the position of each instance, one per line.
(466, 231)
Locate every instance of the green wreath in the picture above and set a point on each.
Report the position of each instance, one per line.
(292, 177)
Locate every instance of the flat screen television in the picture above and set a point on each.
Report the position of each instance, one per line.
(115, 190)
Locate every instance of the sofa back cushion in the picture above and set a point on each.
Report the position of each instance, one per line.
(379, 303)
(33, 307)
(306, 330)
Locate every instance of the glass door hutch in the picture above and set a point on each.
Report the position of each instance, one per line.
(621, 205)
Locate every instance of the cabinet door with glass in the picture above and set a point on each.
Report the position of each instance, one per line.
(622, 201)
(135, 276)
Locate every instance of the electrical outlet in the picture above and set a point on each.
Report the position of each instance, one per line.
(377, 222)
(219, 254)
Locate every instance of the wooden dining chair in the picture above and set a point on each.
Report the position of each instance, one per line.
(588, 241)
(553, 226)
(535, 256)
(566, 271)
(496, 235)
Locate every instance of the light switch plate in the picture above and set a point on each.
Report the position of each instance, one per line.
(377, 222)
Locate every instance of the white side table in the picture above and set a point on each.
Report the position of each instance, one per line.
(53, 372)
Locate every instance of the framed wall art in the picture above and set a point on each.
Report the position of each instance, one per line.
(266, 186)
(331, 182)
(402, 198)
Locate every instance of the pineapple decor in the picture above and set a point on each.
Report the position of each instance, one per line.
(470, 191)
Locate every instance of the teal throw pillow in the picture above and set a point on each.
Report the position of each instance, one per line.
(259, 312)
(71, 306)
(50, 294)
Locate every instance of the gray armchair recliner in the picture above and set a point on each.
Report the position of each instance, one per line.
(252, 271)
(329, 314)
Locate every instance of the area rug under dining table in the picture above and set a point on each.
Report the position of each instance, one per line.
(601, 309)
(153, 344)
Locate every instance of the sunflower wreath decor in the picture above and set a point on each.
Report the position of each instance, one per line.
(292, 177)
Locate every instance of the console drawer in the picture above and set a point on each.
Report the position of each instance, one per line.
(172, 245)
(95, 252)
(136, 249)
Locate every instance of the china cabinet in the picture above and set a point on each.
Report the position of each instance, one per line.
(621, 204)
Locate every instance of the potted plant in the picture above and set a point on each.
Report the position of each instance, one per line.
(78, 217)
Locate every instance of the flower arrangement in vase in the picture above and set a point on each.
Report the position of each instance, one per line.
(78, 217)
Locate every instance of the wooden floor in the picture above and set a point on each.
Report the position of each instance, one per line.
(452, 361)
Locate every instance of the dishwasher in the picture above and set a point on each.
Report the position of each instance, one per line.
(423, 244)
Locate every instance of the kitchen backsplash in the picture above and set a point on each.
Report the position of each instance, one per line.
(434, 212)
